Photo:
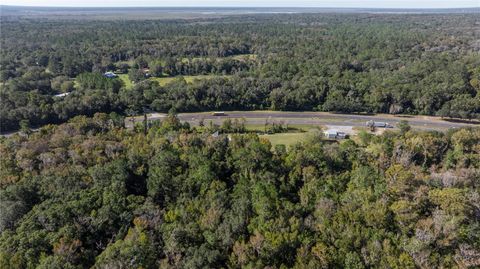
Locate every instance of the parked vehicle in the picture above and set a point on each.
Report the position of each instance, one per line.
(378, 124)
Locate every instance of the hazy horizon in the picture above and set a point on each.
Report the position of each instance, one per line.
(412, 4)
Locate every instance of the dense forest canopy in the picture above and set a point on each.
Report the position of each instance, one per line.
(390, 63)
(91, 194)
(83, 191)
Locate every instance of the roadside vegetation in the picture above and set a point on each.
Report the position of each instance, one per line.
(286, 139)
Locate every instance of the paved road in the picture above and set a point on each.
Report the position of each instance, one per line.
(317, 118)
(309, 118)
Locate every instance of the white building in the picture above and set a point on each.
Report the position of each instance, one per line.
(62, 94)
(110, 75)
(334, 134)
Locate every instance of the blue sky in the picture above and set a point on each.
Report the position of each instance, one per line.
(254, 3)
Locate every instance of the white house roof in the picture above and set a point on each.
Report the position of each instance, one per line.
(331, 132)
(110, 74)
(62, 94)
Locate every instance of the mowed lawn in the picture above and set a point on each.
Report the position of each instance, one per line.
(286, 139)
(291, 127)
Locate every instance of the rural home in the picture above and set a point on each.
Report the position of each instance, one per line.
(334, 134)
(110, 75)
(62, 94)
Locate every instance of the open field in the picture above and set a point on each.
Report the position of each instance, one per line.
(166, 80)
(189, 79)
(293, 127)
(286, 139)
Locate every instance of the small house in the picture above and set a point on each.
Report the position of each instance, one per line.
(110, 75)
(330, 134)
(62, 94)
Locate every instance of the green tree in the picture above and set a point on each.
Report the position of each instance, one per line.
(136, 75)
(403, 126)
(25, 127)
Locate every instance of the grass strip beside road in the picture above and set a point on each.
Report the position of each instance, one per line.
(286, 139)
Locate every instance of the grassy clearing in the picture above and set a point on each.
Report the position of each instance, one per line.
(166, 80)
(245, 57)
(128, 83)
(296, 127)
(76, 85)
(189, 79)
(286, 139)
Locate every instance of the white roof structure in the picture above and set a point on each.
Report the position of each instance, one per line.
(110, 74)
(62, 94)
(336, 134)
(331, 132)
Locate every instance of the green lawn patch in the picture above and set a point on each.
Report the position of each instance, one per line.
(128, 83)
(286, 139)
(76, 85)
(189, 79)
(245, 57)
(294, 127)
(166, 80)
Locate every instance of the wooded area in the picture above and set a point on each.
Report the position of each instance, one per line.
(83, 191)
(413, 64)
(91, 194)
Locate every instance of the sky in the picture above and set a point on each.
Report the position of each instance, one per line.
(251, 3)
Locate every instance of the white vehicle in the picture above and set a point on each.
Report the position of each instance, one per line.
(379, 124)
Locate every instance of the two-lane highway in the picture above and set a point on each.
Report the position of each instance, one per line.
(316, 118)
